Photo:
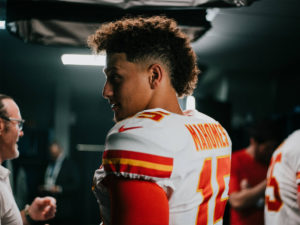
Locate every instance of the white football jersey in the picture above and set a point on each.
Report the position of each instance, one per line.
(283, 179)
(188, 156)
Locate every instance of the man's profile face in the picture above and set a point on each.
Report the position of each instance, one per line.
(54, 151)
(127, 86)
(10, 135)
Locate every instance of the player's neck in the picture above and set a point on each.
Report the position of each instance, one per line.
(174, 108)
(166, 102)
(165, 98)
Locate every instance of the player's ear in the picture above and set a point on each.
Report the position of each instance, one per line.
(156, 75)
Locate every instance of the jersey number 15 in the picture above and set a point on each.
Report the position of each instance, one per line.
(205, 187)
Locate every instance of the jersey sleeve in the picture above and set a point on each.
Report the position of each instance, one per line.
(134, 156)
(135, 201)
(6, 203)
(138, 151)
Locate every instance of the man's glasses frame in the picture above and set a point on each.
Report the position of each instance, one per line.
(20, 121)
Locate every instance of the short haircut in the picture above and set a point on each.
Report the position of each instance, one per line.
(3, 111)
(157, 38)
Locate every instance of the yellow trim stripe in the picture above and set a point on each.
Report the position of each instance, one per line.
(140, 163)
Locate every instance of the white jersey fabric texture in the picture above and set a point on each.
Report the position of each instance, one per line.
(187, 155)
(9, 211)
(283, 179)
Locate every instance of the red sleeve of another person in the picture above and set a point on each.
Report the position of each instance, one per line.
(234, 183)
(136, 202)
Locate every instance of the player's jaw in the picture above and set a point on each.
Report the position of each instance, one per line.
(122, 110)
(117, 109)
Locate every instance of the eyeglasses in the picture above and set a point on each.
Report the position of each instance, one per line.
(20, 121)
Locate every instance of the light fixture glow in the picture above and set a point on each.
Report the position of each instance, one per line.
(90, 148)
(87, 60)
(211, 14)
(2, 24)
(190, 102)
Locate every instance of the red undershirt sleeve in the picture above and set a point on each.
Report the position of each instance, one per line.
(136, 202)
(298, 180)
(234, 183)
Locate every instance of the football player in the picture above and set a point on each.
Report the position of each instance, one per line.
(282, 198)
(160, 165)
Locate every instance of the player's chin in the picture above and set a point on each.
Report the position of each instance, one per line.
(119, 116)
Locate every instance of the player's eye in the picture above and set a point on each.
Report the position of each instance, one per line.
(115, 78)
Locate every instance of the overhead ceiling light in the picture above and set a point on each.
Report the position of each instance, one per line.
(90, 148)
(2, 24)
(211, 13)
(86, 60)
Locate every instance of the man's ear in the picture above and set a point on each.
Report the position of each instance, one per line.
(2, 126)
(156, 75)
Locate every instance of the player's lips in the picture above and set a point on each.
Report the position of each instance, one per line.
(114, 106)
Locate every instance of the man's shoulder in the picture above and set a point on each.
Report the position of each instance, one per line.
(239, 153)
(291, 144)
(240, 156)
(196, 115)
(6, 198)
(140, 147)
(151, 131)
(4, 172)
(158, 120)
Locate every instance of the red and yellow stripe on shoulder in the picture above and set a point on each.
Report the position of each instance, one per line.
(298, 180)
(121, 161)
(298, 175)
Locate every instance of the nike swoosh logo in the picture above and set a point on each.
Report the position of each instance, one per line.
(123, 128)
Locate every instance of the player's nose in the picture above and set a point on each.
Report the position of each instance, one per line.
(107, 91)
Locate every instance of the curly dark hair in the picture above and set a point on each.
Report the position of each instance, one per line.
(156, 37)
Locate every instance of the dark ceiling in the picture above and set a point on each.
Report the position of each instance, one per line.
(255, 50)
